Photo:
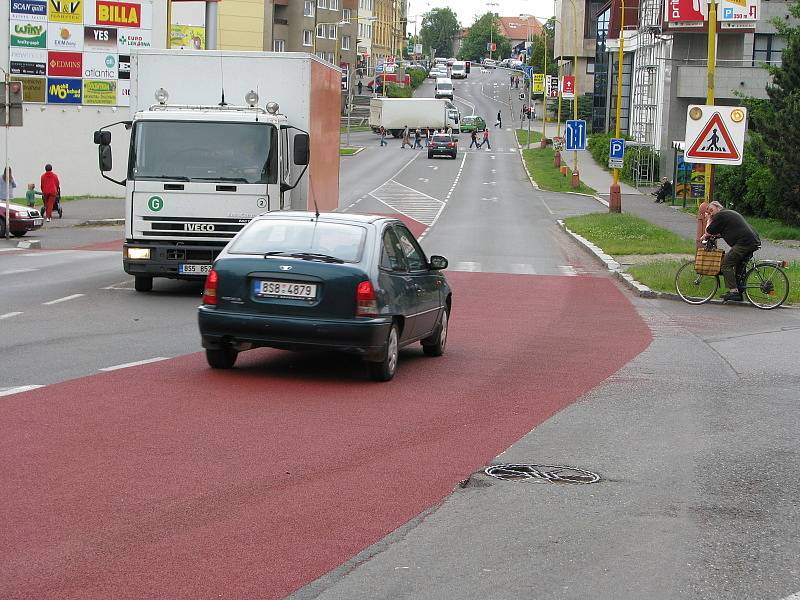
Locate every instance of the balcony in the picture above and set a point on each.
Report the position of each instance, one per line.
(731, 77)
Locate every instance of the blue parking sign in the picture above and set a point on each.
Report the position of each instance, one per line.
(528, 71)
(617, 148)
(575, 136)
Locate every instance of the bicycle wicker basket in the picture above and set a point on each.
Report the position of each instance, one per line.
(708, 262)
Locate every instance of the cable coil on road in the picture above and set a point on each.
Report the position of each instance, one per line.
(547, 473)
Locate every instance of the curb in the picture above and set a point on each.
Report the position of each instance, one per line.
(102, 222)
(614, 267)
(357, 150)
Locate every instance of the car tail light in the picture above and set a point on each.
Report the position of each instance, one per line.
(366, 303)
(451, 145)
(210, 291)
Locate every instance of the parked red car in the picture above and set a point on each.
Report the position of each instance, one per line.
(390, 77)
(23, 219)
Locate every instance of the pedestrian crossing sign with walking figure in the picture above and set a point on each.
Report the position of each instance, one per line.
(715, 134)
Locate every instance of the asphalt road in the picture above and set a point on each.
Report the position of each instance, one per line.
(294, 474)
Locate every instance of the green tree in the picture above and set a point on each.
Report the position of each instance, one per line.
(777, 122)
(537, 49)
(439, 29)
(474, 45)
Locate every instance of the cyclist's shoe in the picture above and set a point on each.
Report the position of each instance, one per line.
(732, 297)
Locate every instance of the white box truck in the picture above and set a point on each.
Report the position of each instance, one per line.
(395, 113)
(218, 138)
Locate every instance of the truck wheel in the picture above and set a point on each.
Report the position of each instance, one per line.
(2, 227)
(430, 154)
(223, 358)
(142, 283)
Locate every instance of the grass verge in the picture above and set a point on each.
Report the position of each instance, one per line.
(622, 233)
(540, 166)
(348, 151)
(356, 129)
(660, 276)
(522, 136)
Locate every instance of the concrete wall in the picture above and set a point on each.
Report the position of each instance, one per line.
(62, 135)
(241, 25)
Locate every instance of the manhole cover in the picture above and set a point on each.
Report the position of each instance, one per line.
(548, 473)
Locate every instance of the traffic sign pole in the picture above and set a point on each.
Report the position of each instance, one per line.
(712, 63)
(615, 193)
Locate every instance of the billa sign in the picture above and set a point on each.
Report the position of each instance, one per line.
(65, 12)
(118, 14)
(64, 64)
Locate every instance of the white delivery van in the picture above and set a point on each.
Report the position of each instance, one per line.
(458, 70)
(444, 88)
(217, 138)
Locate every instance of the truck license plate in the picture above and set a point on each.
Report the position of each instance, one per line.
(194, 269)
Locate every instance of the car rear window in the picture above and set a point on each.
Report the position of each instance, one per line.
(442, 139)
(340, 240)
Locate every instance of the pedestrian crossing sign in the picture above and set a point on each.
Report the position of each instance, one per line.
(715, 134)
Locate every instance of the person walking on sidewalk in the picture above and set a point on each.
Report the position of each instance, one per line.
(743, 240)
(417, 139)
(406, 138)
(499, 122)
(485, 139)
(360, 87)
(50, 186)
(382, 132)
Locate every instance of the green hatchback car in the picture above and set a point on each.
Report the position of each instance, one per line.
(472, 123)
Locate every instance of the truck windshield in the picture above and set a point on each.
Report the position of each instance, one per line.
(204, 151)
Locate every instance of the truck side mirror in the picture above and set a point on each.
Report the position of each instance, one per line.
(104, 155)
(102, 138)
(301, 149)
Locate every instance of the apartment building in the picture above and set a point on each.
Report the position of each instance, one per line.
(365, 27)
(389, 31)
(576, 36)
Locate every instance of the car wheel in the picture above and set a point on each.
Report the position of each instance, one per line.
(435, 345)
(222, 358)
(18, 233)
(430, 154)
(385, 369)
(2, 227)
(142, 283)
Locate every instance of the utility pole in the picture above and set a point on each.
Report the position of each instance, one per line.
(712, 63)
(615, 197)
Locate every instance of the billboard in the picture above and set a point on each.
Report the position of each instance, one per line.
(187, 36)
(692, 14)
(78, 51)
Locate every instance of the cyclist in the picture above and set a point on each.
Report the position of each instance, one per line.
(743, 240)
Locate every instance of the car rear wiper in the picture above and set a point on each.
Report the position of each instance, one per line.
(315, 256)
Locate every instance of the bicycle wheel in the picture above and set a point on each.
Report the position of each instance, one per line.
(766, 286)
(693, 287)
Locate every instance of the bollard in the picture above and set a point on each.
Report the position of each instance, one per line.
(576, 179)
(557, 159)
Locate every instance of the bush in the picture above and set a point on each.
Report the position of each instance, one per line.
(397, 91)
(748, 188)
(417, 77)
(584, 108)
(598, 145)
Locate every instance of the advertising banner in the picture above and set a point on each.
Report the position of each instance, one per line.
(118, 14)
(64, 64)
(100, 92)
(123, 93)
(64, 36)
(100, 39)
(685, 14)
(124, 66)
(538, 83)
(99, 65)
(64, 91)
(568, 86)
(128, 39)
(65, 11)
(28, 34)
(187, 36)
(28, 62)
(33, 88)
(30, 10)
(730, 11)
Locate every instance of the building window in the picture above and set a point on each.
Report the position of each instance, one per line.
(625, 109)
(590, 66)
(320, 31)
(768, 48)
(279, 45)
(601, 63)
(322, 3)
(308, 36)
(308, 8)
(345, 42)
(331, 32)
(347, 14)
(333, 4)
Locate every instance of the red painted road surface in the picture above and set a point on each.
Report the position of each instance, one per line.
(171, 480)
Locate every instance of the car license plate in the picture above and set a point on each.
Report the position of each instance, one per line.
(194, 269)
(38, 222)
(285, 289)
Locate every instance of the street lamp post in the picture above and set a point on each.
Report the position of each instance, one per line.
(491, 28)
(575, 175)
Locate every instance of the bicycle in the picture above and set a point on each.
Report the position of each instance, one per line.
(763, 282)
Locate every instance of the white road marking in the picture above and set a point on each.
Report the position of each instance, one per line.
(9, 315)
(119, 286)
(489, 182)
(14, 271)
(523, 269)
(135, 364)
(472, 267)
(64, 299)
(492, 199)
(17, 390)
(48, 253)
(568, 270)
(9, 249)
(408, 201)
(423, 179)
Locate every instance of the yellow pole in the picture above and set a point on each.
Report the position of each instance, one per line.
(615, 198)
(575, 174)
(169, 23)
(712, 63)
(544, 94)
(560, 73)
